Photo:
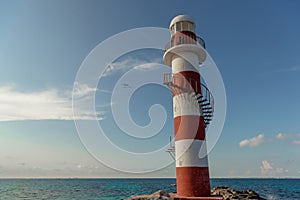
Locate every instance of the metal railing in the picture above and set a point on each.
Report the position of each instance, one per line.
(205, 99)
(184, 39)
(189, 85)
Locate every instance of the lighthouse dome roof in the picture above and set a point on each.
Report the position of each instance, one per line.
(181, 18)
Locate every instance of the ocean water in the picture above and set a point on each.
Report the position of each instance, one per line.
(86, 189)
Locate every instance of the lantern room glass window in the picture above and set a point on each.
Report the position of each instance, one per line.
(182, 26)
(172, 30)
(191, 27)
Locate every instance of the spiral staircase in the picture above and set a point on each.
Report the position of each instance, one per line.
(205, 99)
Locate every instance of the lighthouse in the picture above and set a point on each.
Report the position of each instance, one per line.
(192, 108)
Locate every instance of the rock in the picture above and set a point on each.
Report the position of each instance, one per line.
(226, 192)
(159, 195)
(229, 194)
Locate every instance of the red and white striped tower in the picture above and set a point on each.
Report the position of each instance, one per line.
(192, 111)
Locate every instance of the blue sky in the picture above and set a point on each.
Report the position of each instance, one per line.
(255, 45)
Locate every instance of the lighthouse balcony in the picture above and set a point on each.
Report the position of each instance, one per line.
(182, 43)
(184, 39)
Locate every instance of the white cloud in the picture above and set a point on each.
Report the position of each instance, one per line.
(147, 66)
(267, 169)
(281, 136)
(129, 63)
(82, 90)
(49, 104)
(296, 142)
(253, 142)
(265, 165)
(104, 91)
(279, 170)
(292, 137)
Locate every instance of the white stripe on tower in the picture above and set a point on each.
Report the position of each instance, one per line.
(180, 65)
(189, 152)
(185, 104)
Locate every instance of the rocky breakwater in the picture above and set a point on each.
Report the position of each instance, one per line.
(226, 192)
(229, 194)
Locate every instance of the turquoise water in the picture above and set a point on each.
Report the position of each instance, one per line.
(122, 188)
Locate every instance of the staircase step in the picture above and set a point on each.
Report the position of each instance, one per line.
(203, 100)
(208, 117)
(207, 112)
(206, 108)
(206, 104)
(199, 96)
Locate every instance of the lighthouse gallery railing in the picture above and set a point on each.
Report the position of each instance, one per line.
(184, 39)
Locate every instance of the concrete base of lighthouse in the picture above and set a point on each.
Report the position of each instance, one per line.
(176, 197)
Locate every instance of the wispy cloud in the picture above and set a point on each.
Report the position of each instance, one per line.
(296, 142)
(253, 142)
(129, 63)
(82, 90)
(147, 66)
(295, 68)
(104, 91)
(104, 105)
(279, 170)
(265, 167)
(281, 136)
(293, 138)
(268, 169)
(49, 104)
